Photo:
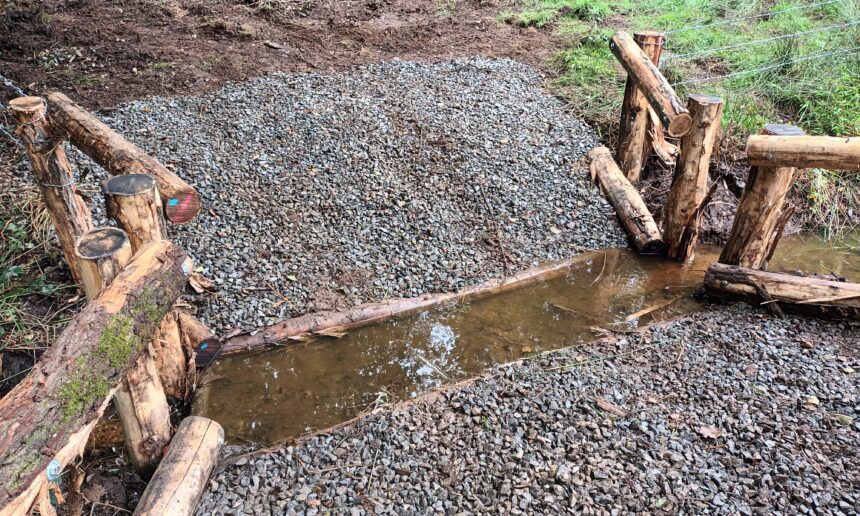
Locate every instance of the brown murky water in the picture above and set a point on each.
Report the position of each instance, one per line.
(273, 395)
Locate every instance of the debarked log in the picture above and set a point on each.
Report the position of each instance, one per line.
(629, 206)
(830, 152)
(119, 156)
(49, 415)
(802, 294)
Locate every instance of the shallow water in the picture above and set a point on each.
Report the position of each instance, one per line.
(269, 396)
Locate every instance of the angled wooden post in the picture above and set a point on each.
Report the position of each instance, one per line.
(69, 214)
(690, 182)
(760, 217)
(634, 145)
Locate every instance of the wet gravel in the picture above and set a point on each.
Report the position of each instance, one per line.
(393, 179)
(726, 412)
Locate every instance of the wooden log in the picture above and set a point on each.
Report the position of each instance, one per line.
(634, 140)
(132, 200)
(629, 206)
(794, 293)
(690, 182)
(653, 85)
(760, 209)
(68, 212)
(101, 254)
(180, 480)
(830, 152)
(50, 413)
(179, 335)
(119, 156)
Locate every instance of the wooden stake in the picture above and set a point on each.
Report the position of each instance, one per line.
(180, 480)
(133, 202)
(835, 153)
(760, 209)
(628, 204)
(50, 414)
(179, 335)
(634, 145)
(653, 85)
(101, 255)
(119, 156)
(690, 182)
(69, 213)
(796, 293)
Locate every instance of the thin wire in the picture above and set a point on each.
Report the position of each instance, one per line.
(759, 41)
(12, 86)
(765, 68)
(764, 15)
(11, 136)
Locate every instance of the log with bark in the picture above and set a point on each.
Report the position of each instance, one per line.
(653, 85)
(813, 296)
(757, 228)
(634, 137)
(119, 156)
(184, 473)
(132, 200)
(68, 212)
(830, 152)
(629, 206)
(690, 182)
(50, 413)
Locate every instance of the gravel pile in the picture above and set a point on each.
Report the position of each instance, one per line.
(394, 179)
(727, 412)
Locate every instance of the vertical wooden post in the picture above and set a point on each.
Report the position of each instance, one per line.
(132, 200)
(70, 215)
(757, 225)
(634, 144)
(101, 255)
(690, 182)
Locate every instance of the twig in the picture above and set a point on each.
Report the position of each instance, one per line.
(372, 470)
(601, 270)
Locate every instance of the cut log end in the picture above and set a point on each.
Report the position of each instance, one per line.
(183, 207)
(27, 107)
(101, 243)
(680, 125)
(129, 184)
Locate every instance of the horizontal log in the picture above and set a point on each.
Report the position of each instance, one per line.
(119, 156)
(795, 293)
(50, 413)
(184, 473)
(830, 152)
(660, 94)
(629, 206)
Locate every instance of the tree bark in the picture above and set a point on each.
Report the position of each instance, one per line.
(690, 182)
(132, 201)
(180, 480)
(830, 152)
(631, 210)
(634, 141)
(50, 413)
(794, 293)
(760, 209)
(119, 156)
(69, 213)
(101, 254)
(653, 85)
(179, 335)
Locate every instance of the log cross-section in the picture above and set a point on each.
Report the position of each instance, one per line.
(690, 182)
(119, 156)
(101, 253)
(653, 85)
(68, 212)
(634, 141)
(629, 206)
(830, 152)
(132, 200)
(760, 210)
(50, 414)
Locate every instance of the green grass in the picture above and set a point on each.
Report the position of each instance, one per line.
(822, 96)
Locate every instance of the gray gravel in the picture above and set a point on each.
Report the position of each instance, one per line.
(727, 412)
(389, 180)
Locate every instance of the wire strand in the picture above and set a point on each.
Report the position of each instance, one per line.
(12, 86)
(753, 17)
(11, 136)
(758, 41)
(765, 68)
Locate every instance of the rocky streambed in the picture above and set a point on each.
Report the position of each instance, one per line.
(729, 411)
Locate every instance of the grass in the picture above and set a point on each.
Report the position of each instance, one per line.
(820, 95)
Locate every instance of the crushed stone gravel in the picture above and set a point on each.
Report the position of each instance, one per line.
(727, 412)
(390, 180)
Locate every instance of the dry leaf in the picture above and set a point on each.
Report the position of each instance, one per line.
(526, 349)
(200, 283)
(611, 407)
(710, 432)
